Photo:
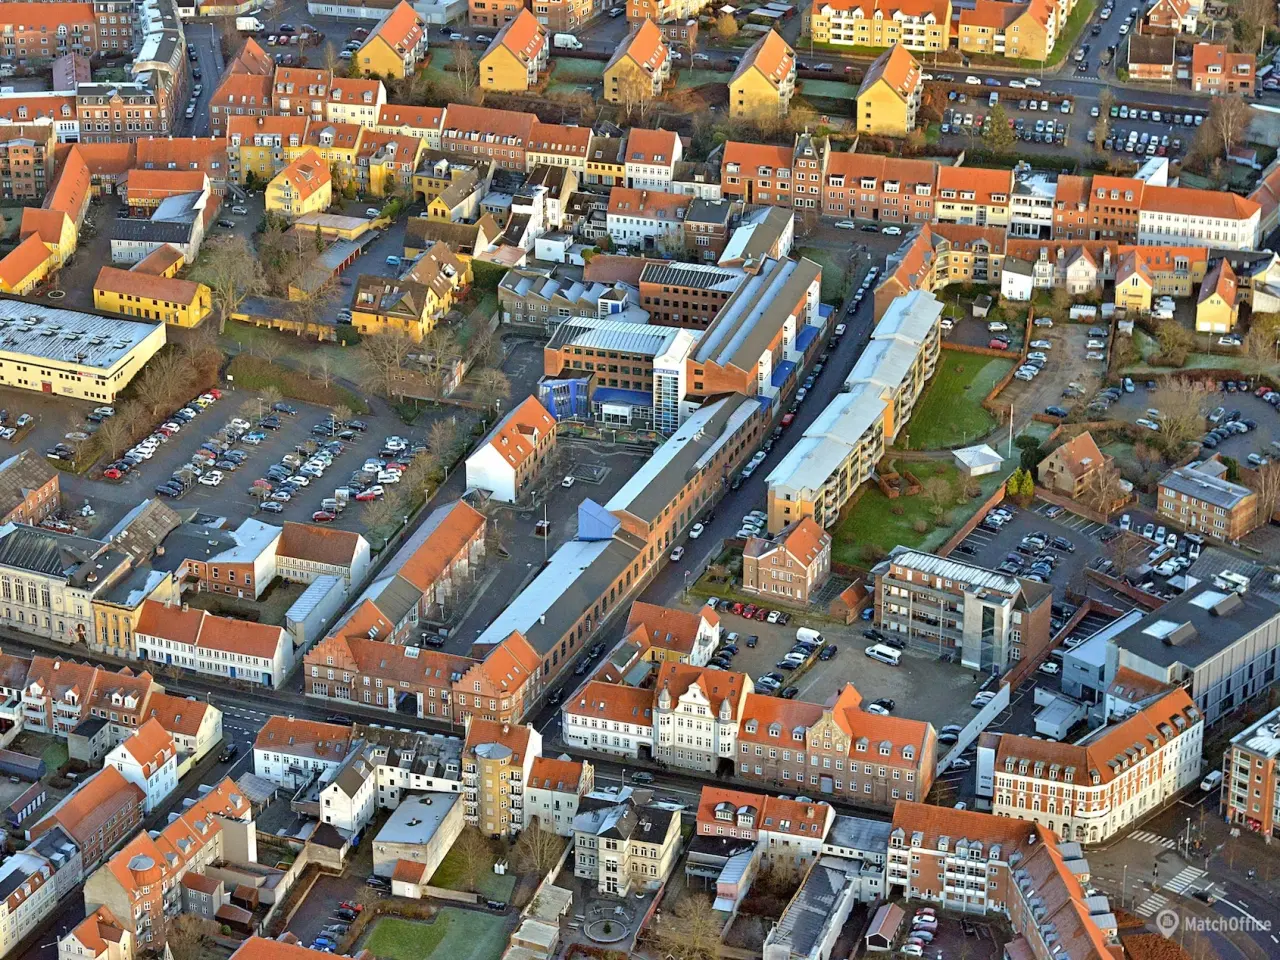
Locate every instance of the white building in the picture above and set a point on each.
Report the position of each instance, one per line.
(552, 792)
(512, 455)
(1177, 216)
(289, 751)
(308, 550)
(651, 159)
(148, 759)
(1088, 792)
(26, 879)
(211, 645)
(623, 845)
(1031, 206)
(609, 718)
(697, 715)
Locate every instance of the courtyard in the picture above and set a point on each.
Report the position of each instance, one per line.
(453, 933)
(950, 413)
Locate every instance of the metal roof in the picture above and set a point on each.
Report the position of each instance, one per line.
(623, 336)
(68, 336)
(974, 577)
(755, 313)
(1201, 485)
(692, 275)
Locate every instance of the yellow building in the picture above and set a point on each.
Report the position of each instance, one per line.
(516, 56)
(338, 144)
(385, 163)
(303, 187)
(139, 293)
(1025, 31)
(56, 229)
(607, 161)
(114, 619)
(973, 195)
(425, 123)
(415, 303)
(263, 146)
(920, 25)
(22, 268)
(1143, 274)
(92, 367)
(1133, 284)
(890, 94)
(358, 101)
(396, 44)
(765, 80)
(1218, 308)
(496, 760)
(639, 66)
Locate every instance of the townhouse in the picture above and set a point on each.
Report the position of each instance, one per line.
(386, 163)
(1072, 468)
(840, 751)
(425, 123)
(649, 219)
(497, 761)
(1251, 777)
(557, 145)
(1092, 789)
(1079, 268)
(516, 55)
(1177, 216)
(624, 843)
(606, 161)
(101, 813)
(196, 728)
(502, 136)
(553, 790)
(672, 635)
(610, 718)
(920, 25)
(974, 195)
(260, 147)
(55, 109)
(396, 46)
(301, 92)
(651, 158)
(1200, 499)
(355, 100)
(697, 713)
(765, 79)
(706, 228)
(1217, 71)
(775, 175)
(984, 618)
(879, 188)
(889, 97)
(782, 830)
(514, 453)
(29, 882)
(793, 565)
(175, 635)
(239, 95)
(149, 760)
(639, 67)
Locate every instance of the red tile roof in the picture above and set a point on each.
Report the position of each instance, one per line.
(563, 776)
(460, 525)
(22, 261)
(652, 146)
(327, 545)
(607, 701)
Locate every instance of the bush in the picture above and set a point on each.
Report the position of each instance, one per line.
(254, 373)
(897, 510)
(920, 526)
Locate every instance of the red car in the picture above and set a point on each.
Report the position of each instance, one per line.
(1262, 391)
(749, 611)
(112, 474)
(762, 614)
(788, 419)
(215, 393)
(364, 496)
(353, 907)
(323, 516)
(737, 608)
(998, 345)
(264, 484)
(397, 467)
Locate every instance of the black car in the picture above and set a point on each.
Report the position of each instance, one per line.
(828, 652)
(786, 665)
(887, 702)
(1056, 411)
(967, 549)
(874, 635)
(228, 752)
(555, 697)
(1062, 543)
(752, 640)
(868, 228)
(895, 643)
(596, 650)
(790, 693)
(358, 425)
(496, 904)
(322, 430)
(285, 408)
(784, 619)
(722, 662)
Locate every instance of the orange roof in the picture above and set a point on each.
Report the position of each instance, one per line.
(559, 139)
(464, 119)
(98, 929)
(563, 776)
(1162, 259)
(405, 146)
(158, 184)
(897, 732)
(607, 701)
(185, 153)
(652, 146)
(402, 28)
(106, 159)
(307, 174)
(983, 183)
(771, 814)
(252, 59)
(508, 666)
(1076, 451)
(645, 46)
(523, 37)
(302, 78)
(25, 259)
(882, 169)
(178, 715)
(343, 135)
(389, 661)
(804, 540)
(30, 107)
(669, 628)
(1206, 55)
(513, 736)
(408, 871)
(751, 156)
(206, 630)
(356, 91)
(46, 18)
(992, 14)
(309, 541)
(71, 189)
(169, 621)
(1189, 202)
(151, 746)
(789, 715)
(47, 224)
(160, 260)
(85, 810)
(718, 686)
(653, 204)
(243, 90)
(304, 738)
(517, 435)
(1221, 280)
(459, 525)
(895, 67)
(1146, 731)
(143, 284)
(1129, 685)
(909, 9)
(772, 56)
(417, 118)
(1267, 193)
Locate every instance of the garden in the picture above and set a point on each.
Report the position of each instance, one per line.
(950, 413)
(453, 933)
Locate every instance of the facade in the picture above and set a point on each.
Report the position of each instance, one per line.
(920, 25)
(1177, 216)
(610, 718)
(304, 186)
(879, 188)
(639, 67)
(99, 815)
(262, 146)
(889, 96)
(624, 844)
(516, 56)
(215, 646)
(1026, 31)
(1251, 778)
(307, 551)
(1091, 790)
(1218, 306)
(974, 195)
(765, 80)
(242, 562)
(26, 160)
(553, 791)
(514, 453)
(149, 760)
(783, 830)
(696, 716)
(651, 158)
(671, 635)
(775, 175)
(137, 293)
(502, 136)
(1215, 70)
(792, 565)
(396, 45)
(986, 619)
(29, 488)
(1072, 469)
(1200, 499)
(497, 761)
(684, 294)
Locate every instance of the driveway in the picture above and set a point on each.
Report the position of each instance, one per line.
(1066, 363)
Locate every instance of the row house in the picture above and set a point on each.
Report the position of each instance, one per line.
(502, 136)
(262, 146)
(302, 92)
(557, 145)
(696, 716)
(783, 830)
(99, 815)
(177, 636)
(839, 751)
(774, 175)
(974, 195)
(879, 188)
(356, 101)
(425, 123)
(610, 718)
(1176, 216)
(114, 112)
(1089, 791)
(239, 95)
(651, 158)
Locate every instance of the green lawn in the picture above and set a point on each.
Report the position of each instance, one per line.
(441, 57)
(54, 756)
(491, 885)
(950, 414)
(690, 78)
(571, 69)
(832, 89)
(455, 934)
(872, 522)
(835, 270)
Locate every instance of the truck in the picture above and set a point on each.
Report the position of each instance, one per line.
(566, 41)
(248, 24)
(1084, 312)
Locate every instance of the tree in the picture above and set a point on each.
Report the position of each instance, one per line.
(1101, 128)
(474, 856)
(997, 135)
(186, 934)
(1252, 20)
(380, 517)
(114, 436)
(492, 386)
(1176, 342)
(342, 413)
(938, 490)
(690, 931)
(1031, 454)
(1103, 489)
(635, 94)
(320, 368)
(270, 395)
(1182, 405)
(232, 273)
(442, 438)
(537, 850)
(466, 67)
(726, 26)
(1126, 551)
(1266, 485)
(1264, 335)
(1106, 100)
(1227, 123)
(383, 355)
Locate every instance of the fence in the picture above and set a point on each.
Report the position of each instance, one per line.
(971, 524)
(993, 709)
(1133, 593)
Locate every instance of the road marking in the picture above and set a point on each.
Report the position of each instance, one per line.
(1260, 924)
(1151, 905)
(1184, 880)
(1146, 836)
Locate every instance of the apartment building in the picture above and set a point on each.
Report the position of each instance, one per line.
(1217, 71)
(647, 219)
(553, 790)
(423, 122)
(492, 13)
(45, 31)
(515, 452)
(686, 294)
(675, 636)
(974, 195)
(792, 565)
(1200, 499)
(289, 751)
(175, 635)
(639, 67)
(984, 618)
(1152, 58)
(29, 488)
(920, 25)
(112, 112)
(783, 830)
(765, 80)
(149, 760)
(396, 45)
(1073, 468)
(696, 716)
(774, 175)
(98, 815)
(664, 11)
(610, 718)
(304, 186)
(1091, 790)
(26, 160)
(879, 188)
(28, 881)
(263, 145)
(1251, 777)
(497, 762)
(706, 228)
(1177, 216)
(502, 136)
(302, 92)
(624, 842)
(516, 55)
(99, 936)
(1025, 31)
(239, 95)
(1146, 273)
(889, 96)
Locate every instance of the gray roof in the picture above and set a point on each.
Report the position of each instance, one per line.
(417, 818)
(755, 313)
(860, 833)
(709, 211)
(692, 275)
(21, 474)
(1200, 483)
(814, 905)
(43, 551)
(192, 541)
(153, 231)
(62, 334)
(1196, 626)
(647, 339)
(973, 576)
(395, 597)
(144, 528)
(757, 234)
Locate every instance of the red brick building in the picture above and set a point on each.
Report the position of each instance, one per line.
(29, 488)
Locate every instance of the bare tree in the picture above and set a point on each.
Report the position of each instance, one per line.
(380, 517)
(114, 437)
(691, 930)
(233, 275)
(475, 856)
(1182, 404)
(270, 395)
(442, 438)
(492, 386)
(1267, 487)
(466, 67)
(186, 934)
(1103, 489)
(1227, 124)
(342, 413)
(940, 495)
(635, 94)
(537, 850)
(383, 356)
(321, 369)
(1126, 550)
(1253, 18)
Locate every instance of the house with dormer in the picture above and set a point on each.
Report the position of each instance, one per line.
(696, 716)
(149, 760)
(512, 456)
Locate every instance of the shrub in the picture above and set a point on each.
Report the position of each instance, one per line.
(898, 510)
(920, 526)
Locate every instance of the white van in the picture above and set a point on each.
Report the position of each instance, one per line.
(806, 635)
(1211, 782)
(878, 651)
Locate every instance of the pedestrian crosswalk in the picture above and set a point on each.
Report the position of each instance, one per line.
(1146, 836)
(1186, 878)
(1151, 905)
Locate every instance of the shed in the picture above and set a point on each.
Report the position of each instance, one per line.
(884, 927)
(982, 306)
(20, 765)
(978, 460)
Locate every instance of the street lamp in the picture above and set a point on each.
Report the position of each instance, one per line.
(1186, 842)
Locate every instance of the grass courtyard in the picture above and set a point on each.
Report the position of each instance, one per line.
(873, 523)
(454, 934)
(950, 414)
(835, 272)
(491, 885)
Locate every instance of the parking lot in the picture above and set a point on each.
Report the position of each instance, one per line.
(1260, 440)
(1066, 362)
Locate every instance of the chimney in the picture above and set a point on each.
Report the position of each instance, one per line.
(185, 608)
